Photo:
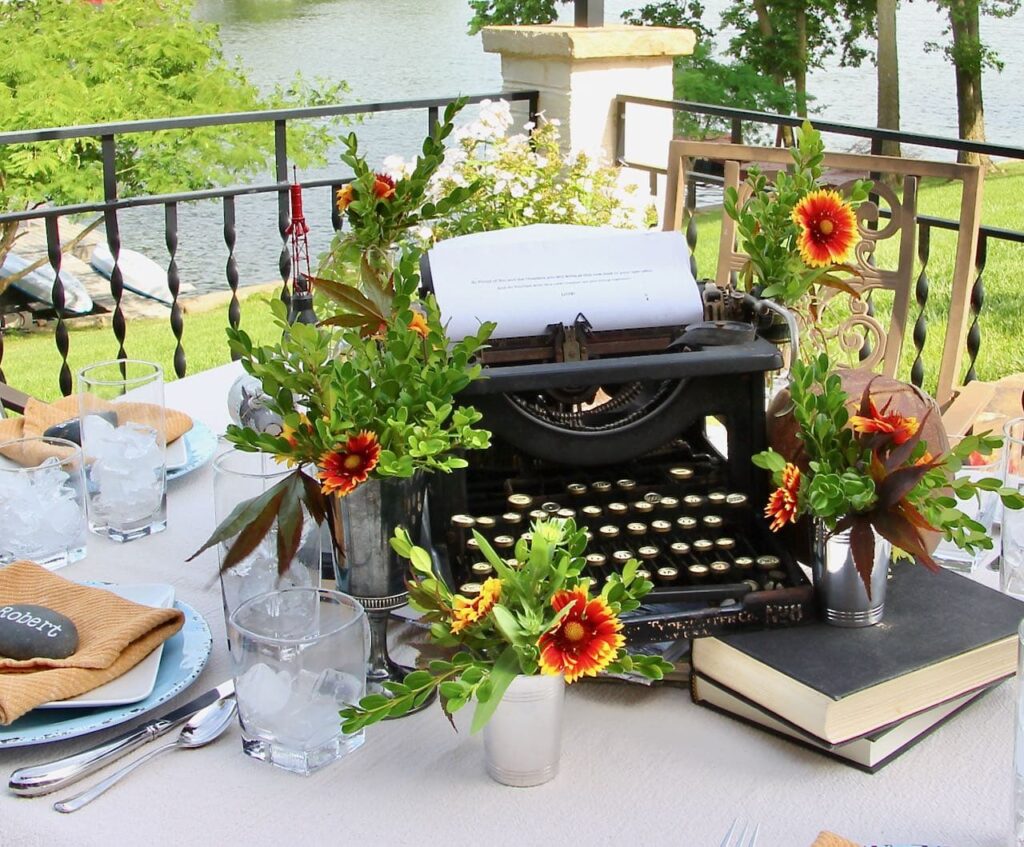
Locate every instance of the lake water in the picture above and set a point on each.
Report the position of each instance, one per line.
(403, 49)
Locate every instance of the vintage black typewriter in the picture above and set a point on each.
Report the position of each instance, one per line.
(611, 428)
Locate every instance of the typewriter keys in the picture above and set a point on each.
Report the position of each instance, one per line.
(661, 527)
(698, 573)
(601, 487)
(643, 507)
(686, 523)
(591, 512)
(481, 570)
(736, 500)
(621, 557)
(668, 503)
(596, 560)
(470, 589)
(648, 553)
(720, 570)
(608, 532)
(519, 502)
(538, 515)
(681, 474)
(767, 563)
(504, 542)
(668, 574)
(576, 489)
(618, 510)
(636, 528)
(486, 525)
(717, 498)
(463, 522)
(693, 501)
(512, 519)
(680, 549)
(652, 497)
(551, 507)
(712, 521)
(626, 484)
(725, 543)
(743, 564)
(643, 573)
(566, 514)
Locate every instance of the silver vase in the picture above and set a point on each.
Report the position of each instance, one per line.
(523, 738)
(842, 597)
(362, 525)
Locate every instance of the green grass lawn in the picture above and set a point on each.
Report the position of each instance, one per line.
(32, 364)
(31, 361)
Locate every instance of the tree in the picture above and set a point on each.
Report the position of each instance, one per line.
(78, 63)
(703, 78)
(888, 73)
(970, 57)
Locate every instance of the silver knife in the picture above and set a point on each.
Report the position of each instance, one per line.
(42, 779)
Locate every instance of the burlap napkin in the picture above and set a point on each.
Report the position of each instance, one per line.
(40, 416)
(830, 839)
(114, 635)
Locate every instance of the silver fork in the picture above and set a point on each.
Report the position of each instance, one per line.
(741, 837)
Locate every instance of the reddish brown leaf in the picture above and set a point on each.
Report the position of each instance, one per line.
(911, 513)
(862, 546)
(895, 527)
(254, 532)
(900, 483)
(289, 526)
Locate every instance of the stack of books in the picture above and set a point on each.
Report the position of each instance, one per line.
(866, 695)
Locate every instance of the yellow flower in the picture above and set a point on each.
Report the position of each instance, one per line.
(468, 612)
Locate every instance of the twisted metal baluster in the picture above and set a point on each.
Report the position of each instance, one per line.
(691, 224)
(3, 376)
(977, 301)
(231, 269)
(174, 285)
(921, 297)
(113, 240)
(60, 334)
(335, 214)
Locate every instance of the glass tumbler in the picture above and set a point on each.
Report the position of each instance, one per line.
(121, 408)
(986, 509)
(1011, 568)
(42, 502)
(298, 656)
(239, 476)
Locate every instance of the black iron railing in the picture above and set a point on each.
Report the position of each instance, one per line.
(925, 223)
(112, 204)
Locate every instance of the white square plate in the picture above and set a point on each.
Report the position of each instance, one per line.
(136, 684)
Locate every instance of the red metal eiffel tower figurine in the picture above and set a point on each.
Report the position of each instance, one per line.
(301, 308)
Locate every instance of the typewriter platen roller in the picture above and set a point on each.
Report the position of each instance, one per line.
(614, 429)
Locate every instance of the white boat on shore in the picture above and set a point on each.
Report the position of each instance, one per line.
(39, 284)
(139, 274)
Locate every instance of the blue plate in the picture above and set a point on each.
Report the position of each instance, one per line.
(185, 655)
(200, 445)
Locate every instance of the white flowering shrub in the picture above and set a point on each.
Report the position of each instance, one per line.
(524, 179)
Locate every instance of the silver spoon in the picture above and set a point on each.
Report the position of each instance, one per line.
(202, 728)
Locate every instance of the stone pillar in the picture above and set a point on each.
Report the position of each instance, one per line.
(579, 71)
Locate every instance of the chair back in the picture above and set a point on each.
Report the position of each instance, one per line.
(856, 331)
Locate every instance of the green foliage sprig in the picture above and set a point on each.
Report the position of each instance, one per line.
(492, 644)
(873, 471)
(768, 234)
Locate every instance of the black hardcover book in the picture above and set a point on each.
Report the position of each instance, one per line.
(943, 635)
(870, 753)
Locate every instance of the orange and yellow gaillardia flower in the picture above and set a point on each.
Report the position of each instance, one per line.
(383, 187)
(418, 324)
(344, 197)
(585, 641)
(290, 434)
(828, 228)
(783, 505)
(466, 612)
(884, 422)
(348, 464)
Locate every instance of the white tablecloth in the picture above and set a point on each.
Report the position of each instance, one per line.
(638, 766)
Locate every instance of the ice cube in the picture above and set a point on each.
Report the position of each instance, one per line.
(262, 693)
(306, 723)
(343, 689)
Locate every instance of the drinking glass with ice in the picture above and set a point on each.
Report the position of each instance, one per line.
(42, 504)
(121, 405)
(298, 657)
